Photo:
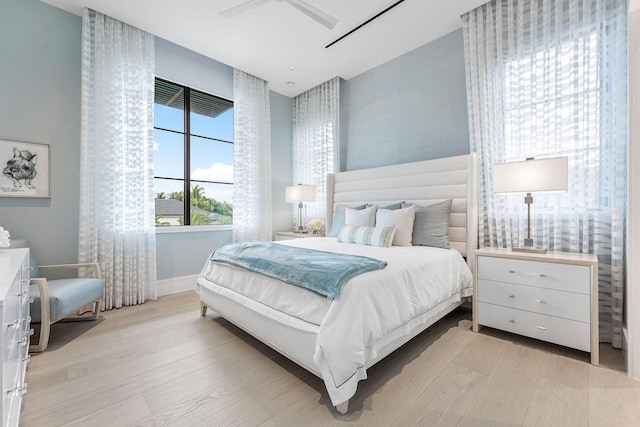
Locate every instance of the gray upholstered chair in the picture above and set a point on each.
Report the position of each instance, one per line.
(55, 300)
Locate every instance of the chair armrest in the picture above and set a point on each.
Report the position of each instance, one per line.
(92, 265)
(43, 290)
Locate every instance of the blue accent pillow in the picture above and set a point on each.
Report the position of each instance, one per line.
(338, 219)
(394, 206)
(370, 236)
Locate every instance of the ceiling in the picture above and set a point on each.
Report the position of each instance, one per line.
(268, 40)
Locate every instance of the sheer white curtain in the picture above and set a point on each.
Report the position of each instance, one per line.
(117, 224)
(316, 115)
(251, 159)
(548, 78)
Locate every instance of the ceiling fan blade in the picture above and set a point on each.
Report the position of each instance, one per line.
(314, 13)
(242, 7)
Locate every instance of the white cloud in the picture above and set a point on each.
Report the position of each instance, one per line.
(219, 195)
(216, 172)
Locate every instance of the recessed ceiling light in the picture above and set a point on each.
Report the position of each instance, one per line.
(291, 83)
(291, 67)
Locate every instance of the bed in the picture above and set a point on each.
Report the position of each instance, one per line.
(378, 311)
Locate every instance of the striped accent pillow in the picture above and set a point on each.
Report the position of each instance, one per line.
(371, 236)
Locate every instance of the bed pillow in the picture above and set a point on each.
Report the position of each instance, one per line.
(361, 217)
(393, 206)
(371, 236)
(402, 219)
(431, 225)
(338, 219)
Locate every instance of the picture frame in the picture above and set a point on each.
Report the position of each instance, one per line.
(26, 169)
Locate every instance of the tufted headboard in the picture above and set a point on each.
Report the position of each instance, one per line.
(422, 183)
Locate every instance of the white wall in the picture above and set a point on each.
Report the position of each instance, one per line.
(633, 218)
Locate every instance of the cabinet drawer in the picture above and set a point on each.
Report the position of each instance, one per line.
(546, 328)
(563, 277)
(567, 305)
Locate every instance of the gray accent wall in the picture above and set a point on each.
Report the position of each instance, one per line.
(281, 160)
(40, 85)
(409, 109)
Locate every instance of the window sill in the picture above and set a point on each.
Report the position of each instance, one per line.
(193, 228)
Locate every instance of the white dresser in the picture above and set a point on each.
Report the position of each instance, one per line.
(16, 330)
(552, 297)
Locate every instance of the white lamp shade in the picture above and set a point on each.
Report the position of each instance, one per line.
(300, 193)
(532, 176)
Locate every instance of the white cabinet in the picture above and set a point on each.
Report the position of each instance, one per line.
(552, 297)
(16, 330)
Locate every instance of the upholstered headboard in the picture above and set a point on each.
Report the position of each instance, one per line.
(422, 183)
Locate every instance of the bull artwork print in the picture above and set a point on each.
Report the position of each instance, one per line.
(25, 169)
(22, 167)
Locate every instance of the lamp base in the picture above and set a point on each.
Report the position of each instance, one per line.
(530, 249)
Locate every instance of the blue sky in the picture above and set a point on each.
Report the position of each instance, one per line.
(210, 160)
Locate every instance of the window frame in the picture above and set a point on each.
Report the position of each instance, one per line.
(186, 179)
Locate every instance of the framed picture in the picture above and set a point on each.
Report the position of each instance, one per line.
(25, 169)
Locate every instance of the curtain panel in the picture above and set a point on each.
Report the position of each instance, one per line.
(316, 115)
(251, 159)
(544, 79)
(117, 223)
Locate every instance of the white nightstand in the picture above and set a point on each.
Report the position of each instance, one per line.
(288, 235)
(552, 297)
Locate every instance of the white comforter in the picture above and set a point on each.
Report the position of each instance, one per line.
(373, 309)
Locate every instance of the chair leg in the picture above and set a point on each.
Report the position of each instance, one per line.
(203, 309)
(43, 341)
(96, 309)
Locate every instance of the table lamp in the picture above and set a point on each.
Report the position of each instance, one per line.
(298, 194)
(531, 176)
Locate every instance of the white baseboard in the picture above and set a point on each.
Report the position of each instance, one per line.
(176, 285)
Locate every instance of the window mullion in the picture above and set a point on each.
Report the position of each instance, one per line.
(187, 156)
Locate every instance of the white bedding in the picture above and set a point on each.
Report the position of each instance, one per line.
(373, 309)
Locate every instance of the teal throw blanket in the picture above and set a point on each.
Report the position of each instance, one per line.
(322, 272)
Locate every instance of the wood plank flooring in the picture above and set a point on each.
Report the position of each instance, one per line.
(162, 364)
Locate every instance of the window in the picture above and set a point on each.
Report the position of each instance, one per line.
(193, 135)
(552, 87)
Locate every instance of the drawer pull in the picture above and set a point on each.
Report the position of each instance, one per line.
(542, 328)
(23, 341)
(31, 332)
(31, 300)
(543, 275)
(15, 324)
(512, 296)
(27, 358)
(22, 294)
(512, 271)
(512, 321)
(18, 389)
(541, 301)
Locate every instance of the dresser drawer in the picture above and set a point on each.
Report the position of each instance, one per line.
(563, 277)
(546, 328)
(551, 302)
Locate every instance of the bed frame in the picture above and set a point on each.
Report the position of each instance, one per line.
(421, 183)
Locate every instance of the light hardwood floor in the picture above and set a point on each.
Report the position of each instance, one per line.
(162, 364)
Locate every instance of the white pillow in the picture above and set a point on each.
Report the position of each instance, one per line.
(361, 217)
(402, 219)
(371, 236)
